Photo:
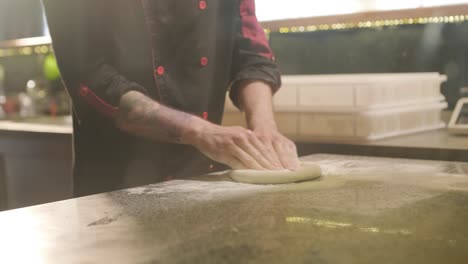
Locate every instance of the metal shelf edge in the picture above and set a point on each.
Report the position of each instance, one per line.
(25, 42)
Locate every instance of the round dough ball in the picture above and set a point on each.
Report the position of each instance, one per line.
(306, 172)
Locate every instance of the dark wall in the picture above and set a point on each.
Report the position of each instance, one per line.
(410, 48)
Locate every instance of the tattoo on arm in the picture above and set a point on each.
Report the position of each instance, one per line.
(141, 116)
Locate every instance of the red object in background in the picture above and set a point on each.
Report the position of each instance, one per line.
(11, 106)
(53, 108)
(205, 115)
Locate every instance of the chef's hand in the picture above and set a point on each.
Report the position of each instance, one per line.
(240, 148)
(255, 100)
(281, 148)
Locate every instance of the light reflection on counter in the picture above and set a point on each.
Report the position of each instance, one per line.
(27, 237)
(332, 225)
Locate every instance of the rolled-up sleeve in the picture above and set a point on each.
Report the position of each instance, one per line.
(253, 59)
(83, 49)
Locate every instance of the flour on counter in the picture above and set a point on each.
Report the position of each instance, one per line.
(198, 190)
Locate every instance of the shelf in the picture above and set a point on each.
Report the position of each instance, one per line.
(25, 42)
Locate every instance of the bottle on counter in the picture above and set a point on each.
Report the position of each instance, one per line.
(26, 106)
(38, 92)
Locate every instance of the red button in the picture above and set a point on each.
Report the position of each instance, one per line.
(160, 70)
(204, 61)
(202, 5)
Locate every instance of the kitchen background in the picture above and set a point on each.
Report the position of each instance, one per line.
(308, 38)
(28, 70)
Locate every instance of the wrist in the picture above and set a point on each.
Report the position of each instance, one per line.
(265, 119)
(194, 131)
(261, 123)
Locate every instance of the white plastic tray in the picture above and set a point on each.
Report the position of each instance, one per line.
(355, 92)
(366, 125)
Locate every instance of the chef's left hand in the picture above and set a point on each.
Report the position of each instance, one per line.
(282, 150)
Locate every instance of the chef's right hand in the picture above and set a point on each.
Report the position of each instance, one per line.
(237, 147)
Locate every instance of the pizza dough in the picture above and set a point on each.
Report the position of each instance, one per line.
(306, 172)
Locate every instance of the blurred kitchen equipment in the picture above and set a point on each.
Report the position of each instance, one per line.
(459, 121)
(59, 103)
(26, 106)
(38, 91)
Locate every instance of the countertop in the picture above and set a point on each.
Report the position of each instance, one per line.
(363, 210)
(48, 125)
(436, 139)
(430, 145)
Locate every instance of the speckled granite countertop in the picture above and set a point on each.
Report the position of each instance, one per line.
(363, 210)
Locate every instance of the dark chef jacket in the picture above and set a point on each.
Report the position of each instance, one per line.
(182, 53)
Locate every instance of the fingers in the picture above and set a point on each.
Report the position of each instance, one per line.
(240, 148)
(244, 159)
(255, 148)
(288, 154)
(238, 153)
(270, 152)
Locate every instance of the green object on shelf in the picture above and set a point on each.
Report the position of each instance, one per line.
(51, 70)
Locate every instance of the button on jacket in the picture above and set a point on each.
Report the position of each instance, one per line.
(182, 53)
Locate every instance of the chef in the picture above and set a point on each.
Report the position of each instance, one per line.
(148, 80)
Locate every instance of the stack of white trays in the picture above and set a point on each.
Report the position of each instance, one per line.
(354, 106)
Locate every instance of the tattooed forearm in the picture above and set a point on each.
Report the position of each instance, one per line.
(141, 116)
